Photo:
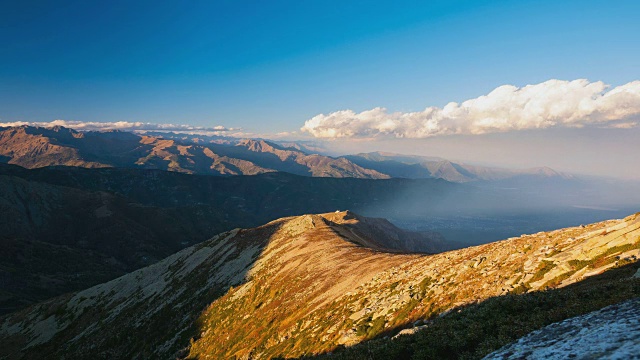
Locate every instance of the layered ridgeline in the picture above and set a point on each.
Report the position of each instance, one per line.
(422, 167)
(34, 147)
(303, 285)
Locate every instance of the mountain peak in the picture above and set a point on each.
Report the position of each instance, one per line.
(259, 145)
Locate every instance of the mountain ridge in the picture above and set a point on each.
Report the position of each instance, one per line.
(277, 290)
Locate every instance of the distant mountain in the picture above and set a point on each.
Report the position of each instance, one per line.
(193, 159)
(37, 147)
(308, 147)
(34, 147)
(312, 284)
(419, 167)
(192, 138)
(298, 162)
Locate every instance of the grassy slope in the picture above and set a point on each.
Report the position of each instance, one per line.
(471, 332)
(302, 318)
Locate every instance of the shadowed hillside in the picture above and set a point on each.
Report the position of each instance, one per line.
(57, 239)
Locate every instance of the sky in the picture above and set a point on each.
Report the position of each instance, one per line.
(361, 75)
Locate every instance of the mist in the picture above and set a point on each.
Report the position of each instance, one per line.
(589, 151)
(481, 212)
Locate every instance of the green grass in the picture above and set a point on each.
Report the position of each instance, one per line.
(558, 280)
(605, 258)
(543, 269)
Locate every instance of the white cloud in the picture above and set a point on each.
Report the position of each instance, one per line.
(122, 125)
(553, 103)
(15, 123)
(624, 125)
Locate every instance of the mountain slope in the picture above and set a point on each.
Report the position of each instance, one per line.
(300, 285)
(295, 161)
(28, 148)
(188, 280)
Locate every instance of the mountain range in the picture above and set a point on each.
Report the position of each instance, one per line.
(33, 147)
(312, 284)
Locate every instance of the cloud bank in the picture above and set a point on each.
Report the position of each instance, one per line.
(553, 103)
(122, 125)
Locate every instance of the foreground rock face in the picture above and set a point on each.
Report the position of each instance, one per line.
(611, 333)
(301, 285)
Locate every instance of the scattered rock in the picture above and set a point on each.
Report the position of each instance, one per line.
(409, 331)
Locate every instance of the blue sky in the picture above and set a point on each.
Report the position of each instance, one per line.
(269, 66)
(272, 66)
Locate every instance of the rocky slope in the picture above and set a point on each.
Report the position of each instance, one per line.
(31, 147)
(302, 285)
(301, 163)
